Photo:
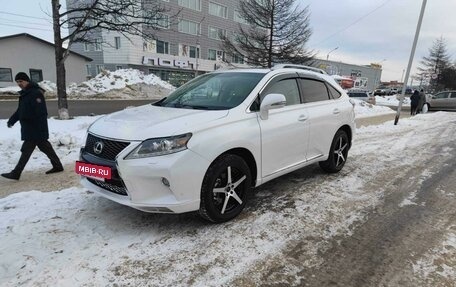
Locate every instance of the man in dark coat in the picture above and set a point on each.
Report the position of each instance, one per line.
(414, 99)
(32, 115)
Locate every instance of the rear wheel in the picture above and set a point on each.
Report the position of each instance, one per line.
(225, 188)
(337, 154)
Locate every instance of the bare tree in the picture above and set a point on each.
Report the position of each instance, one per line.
(84, 18)
(277, 33)
(434, 65)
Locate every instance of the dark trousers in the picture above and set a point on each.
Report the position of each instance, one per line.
(413, 109)
(27, 149)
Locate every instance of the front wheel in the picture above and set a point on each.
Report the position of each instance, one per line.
(337, 154)
(225, 188)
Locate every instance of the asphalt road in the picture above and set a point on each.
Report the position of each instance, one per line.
(77, 108)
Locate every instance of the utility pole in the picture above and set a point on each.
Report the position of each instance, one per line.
(409, 66)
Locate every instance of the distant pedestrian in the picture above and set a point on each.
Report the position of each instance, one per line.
(414, 99)
(421, 102)
(32, 115)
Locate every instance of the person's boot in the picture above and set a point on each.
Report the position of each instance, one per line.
(55, 169)
(12, 175)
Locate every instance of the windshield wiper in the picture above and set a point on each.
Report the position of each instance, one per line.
(159, 102)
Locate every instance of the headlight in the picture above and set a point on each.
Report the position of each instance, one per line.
(160, 146)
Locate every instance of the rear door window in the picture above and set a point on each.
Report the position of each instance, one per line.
(313, 90)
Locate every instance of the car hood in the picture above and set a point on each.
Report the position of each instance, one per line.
(150, 121)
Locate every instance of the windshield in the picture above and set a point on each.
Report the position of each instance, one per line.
(213, 91)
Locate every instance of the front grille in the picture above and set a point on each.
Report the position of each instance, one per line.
(110, 148)
(117, 188)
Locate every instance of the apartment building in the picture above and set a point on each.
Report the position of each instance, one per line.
(187, 46)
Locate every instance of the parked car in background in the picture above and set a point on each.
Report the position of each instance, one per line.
(382, 91)
(445, 100)
(210, 142)
(361, 95)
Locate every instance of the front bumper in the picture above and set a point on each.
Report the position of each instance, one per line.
(139, 183)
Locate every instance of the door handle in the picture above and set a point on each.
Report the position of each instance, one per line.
(336, 111)
(302, 118)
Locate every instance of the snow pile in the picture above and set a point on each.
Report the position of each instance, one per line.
(125, 83)
(392, 101)
(364, 109)
(10, 90)
(120, 84)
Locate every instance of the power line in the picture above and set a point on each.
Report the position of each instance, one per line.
(24, 22)
(26, 16)
(1, 24)
(356, 21)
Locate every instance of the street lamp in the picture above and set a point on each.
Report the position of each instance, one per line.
(327, 56)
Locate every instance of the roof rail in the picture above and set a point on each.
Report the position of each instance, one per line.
(313, 69)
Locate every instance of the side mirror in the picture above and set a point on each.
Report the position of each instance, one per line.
(270, 102)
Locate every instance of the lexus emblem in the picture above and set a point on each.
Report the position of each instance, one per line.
(98, 147)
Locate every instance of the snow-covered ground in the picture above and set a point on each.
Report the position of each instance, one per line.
(72, 237)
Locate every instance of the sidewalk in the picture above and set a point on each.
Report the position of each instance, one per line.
(376, 120)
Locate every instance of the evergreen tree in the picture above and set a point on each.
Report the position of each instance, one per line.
(435, 64)
(275, 31)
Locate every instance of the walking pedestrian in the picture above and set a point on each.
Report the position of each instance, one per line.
(414, 99)
(32, 115)
(421, 102)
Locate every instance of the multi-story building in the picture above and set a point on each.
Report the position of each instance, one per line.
(187, 46)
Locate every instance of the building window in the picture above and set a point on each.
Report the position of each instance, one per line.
(191, 4)
(188, 27)
(158, 20)
(215, 55)
(36, 75)
(216, 33)
(189, 51)
(117, 40)
(98, 44)
(217, 10)
(238, 18)
(89, 70)
(194, 52)
(100, 68)
(238, 59)
(119, 67)
(162, 47)
(86, 47)
(6, 75)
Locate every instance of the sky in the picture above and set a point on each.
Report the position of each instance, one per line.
(364, 32)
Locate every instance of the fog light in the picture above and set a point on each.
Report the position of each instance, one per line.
(165, 181)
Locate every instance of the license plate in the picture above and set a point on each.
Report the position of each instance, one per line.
(92, 170)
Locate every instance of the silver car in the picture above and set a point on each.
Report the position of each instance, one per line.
(442, 101)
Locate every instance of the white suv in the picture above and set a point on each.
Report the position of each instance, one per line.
(205, 146)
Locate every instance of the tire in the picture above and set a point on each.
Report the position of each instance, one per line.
(337, 153)
(225, 189)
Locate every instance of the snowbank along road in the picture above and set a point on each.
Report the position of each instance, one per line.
(387, 219)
